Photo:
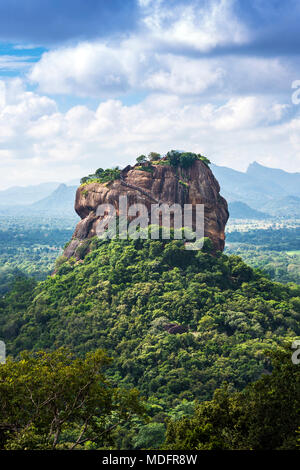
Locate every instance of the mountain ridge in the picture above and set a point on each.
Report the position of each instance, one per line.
(262, 188)
(259, 187)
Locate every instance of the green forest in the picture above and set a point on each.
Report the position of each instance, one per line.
(149, 231)
(186, 332)
(274, 251)
(30, 245)
(142, 344)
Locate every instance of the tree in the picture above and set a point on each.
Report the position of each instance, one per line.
(205, 160)
(154, 156)
(111, 300)
(52, 400)
(151, 435)
(141, 159)
(174, 157)
(183, 159)
(99, 172)
(264, 416)
(187, 159)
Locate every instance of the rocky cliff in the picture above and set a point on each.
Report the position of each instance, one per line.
(160, 183)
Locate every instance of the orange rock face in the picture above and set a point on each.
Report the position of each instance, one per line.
(162, 184)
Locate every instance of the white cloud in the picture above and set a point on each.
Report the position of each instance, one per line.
(247, 112)
(19, 109)
(40, 144)
(164, 56)
(200, 26)
(85, 70)
(100, 70)
(184, 76)
(223, 106)
(154, 58)
(13, 63)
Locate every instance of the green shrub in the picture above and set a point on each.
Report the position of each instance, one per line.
(154, 156)
(141, 159)
(102, 176)
(149, 169)
(184, 159)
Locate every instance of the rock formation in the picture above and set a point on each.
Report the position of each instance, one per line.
(162, 183)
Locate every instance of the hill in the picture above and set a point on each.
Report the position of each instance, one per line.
(240, 210)
(288, 182)
(57, 203)
(152, 184)
(269, 190)
(264, 189)
(289, 205)
(126, 296)
(239, 186)
(21, 195)
(178, 324)
(60, 202)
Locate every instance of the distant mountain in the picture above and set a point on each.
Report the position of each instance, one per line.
(21, 195)
(60, 202)
(239, 186)
(263, 189)
(240, 210)
(289, 206)
(288, 182)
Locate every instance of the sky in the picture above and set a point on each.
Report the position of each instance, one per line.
(95, 83)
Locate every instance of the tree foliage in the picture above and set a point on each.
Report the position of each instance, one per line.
(53, 400)
(264, 416)
(101, 176)
(116, 296)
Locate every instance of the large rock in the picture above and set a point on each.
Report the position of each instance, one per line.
(163, 184)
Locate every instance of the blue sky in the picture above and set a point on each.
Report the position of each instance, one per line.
(90, 83)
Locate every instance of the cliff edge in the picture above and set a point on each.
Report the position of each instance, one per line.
(150, 184)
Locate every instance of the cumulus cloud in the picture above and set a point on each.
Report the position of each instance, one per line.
(184, 76)
(199, 26)
(19, 109)
(90, 69)
(200, 96)
(99, 70)
(246, 113)
(44, 144)
(168, 54)
(102, 70)
(154, 58)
